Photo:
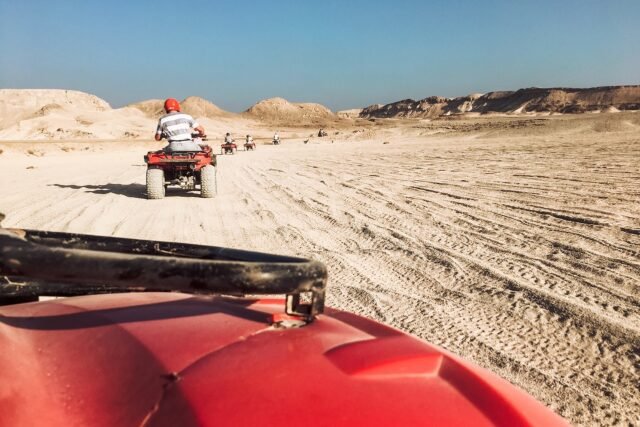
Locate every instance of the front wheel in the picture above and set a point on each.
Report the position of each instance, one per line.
(208, 182)
(155, 183)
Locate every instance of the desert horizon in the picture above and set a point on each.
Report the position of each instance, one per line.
(68, 114)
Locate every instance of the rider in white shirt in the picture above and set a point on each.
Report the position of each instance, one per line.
(177, 128)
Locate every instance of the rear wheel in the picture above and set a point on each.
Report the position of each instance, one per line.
(155, 184)
(208, 182)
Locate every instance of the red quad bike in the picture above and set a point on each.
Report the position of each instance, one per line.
(228, 148)
(186, 169)
(162, 334)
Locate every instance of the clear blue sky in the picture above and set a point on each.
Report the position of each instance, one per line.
(343, 54)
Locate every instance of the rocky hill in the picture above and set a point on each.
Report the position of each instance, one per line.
(530, 100)
(279, 110)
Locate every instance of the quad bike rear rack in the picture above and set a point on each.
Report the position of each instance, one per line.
(43, 263)
(179, 160)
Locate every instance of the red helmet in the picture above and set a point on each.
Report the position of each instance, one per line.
(171, 104)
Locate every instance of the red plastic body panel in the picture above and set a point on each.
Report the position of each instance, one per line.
(168, 161)
(173, 359)
(228, 148)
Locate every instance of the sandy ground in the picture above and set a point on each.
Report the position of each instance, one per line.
(520, 253)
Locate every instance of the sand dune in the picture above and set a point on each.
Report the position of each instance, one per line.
(62, 115)
(60, 123)
(34, 99)
(201, 108)
(349, 114)
(25, 104)
(513, 242)
(196, 106)
(152, 108)
(71, 115)
(279, 110)
(47, 114)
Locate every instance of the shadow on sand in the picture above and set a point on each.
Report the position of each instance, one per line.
(136, 191)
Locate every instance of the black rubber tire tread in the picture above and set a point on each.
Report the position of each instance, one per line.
(155, 183)
(208, 182)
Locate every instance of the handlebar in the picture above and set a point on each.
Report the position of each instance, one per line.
(64, 264)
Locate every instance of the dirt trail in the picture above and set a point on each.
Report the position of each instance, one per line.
(521, 254)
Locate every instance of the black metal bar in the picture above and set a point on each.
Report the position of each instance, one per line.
(64, 264)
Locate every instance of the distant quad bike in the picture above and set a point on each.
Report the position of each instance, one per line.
(170, 334)
(228, 148)
(186, 169)
(276, 141)
(249, 146)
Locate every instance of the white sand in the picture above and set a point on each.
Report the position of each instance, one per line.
(513, 244)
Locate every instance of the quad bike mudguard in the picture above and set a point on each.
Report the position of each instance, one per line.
(194, 160)
(163, 347)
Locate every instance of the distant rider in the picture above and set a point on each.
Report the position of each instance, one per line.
(249, 140)
(177, 128)
(228, 139)
(276, 138)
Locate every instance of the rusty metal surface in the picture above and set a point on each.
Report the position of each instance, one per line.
(63, 264)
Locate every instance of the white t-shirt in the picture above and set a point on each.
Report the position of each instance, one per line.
(176, 126)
